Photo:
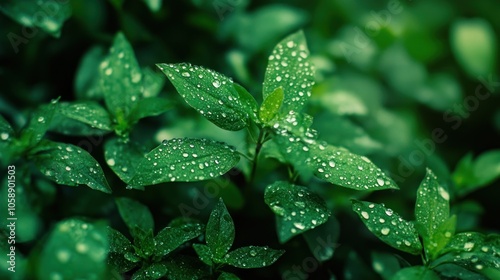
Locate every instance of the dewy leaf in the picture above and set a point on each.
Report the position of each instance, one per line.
(123, 157)
(135, 214)
(341, 167)
(74, 250)
(47, 15)
(120, 78)
(252, 257)
(474, 46)
(38, 124)
(150, 271)
(185, 160)
(210, 93)
(388, 226)
(88, 112)
(204, 253)
(171, 237)
(290, 67)
(247, 100)
(220, 230)
(70, 165)
(183, 267)
(271, 105)
(119, 245)
(415, 273)
(297, 209)
(149, 107)
(431, 209)
(441, 237)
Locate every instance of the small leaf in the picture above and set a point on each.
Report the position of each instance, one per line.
(212, 94)
(388, 226)
(144, 242)
(149, 107)
(185, 267)
(271, 105)
(87, 112)
(227, 276)
(204, 253)
(123, 157)
(290, 67)
(252, 257)
(415, 273)
(184, 160)
(151, 271)
(47, 15)
(247, 100)
(171, 237)
(38, 124)
(487, 167)
(120, 78)
(119, 245)
(441, 237)
(297, 209)
(220, 230)
(431, 210)
(74, 250)
(134, 214)
(474, 46)
(70, 165)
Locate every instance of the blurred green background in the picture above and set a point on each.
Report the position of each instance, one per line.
(410, 84)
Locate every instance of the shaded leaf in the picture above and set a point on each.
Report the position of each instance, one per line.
(119, 245)
(86, 84)
(87, 112)
(388, 226)
(185, 267)
(227, 276)
(152, 83)
(204, 253)
(123, 157)
(171, 237)
(386, 265)
(38, 124)
(247, 100)
(149, 107)
(252, 257)
(220, 230)
(151, 271)
(415, 273)
(322, 241)
(135, 214)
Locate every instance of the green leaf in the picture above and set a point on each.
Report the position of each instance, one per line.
(415, 273)
(212, 94)
(297, 209)
(144, 242)
(86, 84)
(123, 157)
(227, 276)
(248, 101)
(252, 257)
(7, 134)
(388, 226)
(74, 250)
(5, 129)
(70, 165)
(204, 253)
(150, 271)
(452, 271)
(153, 5)
(341, 167)
(386, 265)
(290, 67)
(487, 167)
(474, 251)
(184, 160)
(220, 230)
(149, 107)
(135, 215)
(441, 237)
(356, 268)
(322, 241)
(120, 78)
(87, 112)
(431, 210)
(47, 15)
(171, 237)
(119, 245)
(185, 267)
(152, 83)
(38, 124)
(474, 45)
(271, 105)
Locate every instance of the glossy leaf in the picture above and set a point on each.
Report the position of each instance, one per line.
(123, 157)
(212, 94)
(247, 100)
(171, 237)
(38, 124)
(135, 214)
(151, 271)
(120, 78)
(220, 230)
(46, 15)
(442, 235)
(184, 160)
(297, 209)
(204, 253)
(271, 105)
(185, 267)
(144, 242)
(70, 165)
(415, 273)
(252, 257)
(149, 107)
(87, 112)
(119, 245)
(388, 226)
(74, 250)
(290, 67)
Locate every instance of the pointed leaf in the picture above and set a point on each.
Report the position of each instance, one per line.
(388, 226)
(119, 245)
(290, 67)
(70, 165)
(149, 107)
(204, 253)
(87, 112)
(220, 230)
(120, 78)
(441, 237)
(86, 84)
(185, 160)
(212, 94)
(134, 214)
(144, 242)
(415, 273)
(248, 101)
(171, 237)
(252, 257)
(297, 209)
(38, 124)
(123, 157)
(271, 105)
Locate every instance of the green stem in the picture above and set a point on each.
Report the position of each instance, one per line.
(258, 147)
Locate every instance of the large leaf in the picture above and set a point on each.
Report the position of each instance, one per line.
(74, 250)
(290, 68)
(297, 209)
(212, 94)
(184, 160)
(173, 236)
(220, 230)
(70, 165)
(252, 257)
(135, 215)
(388, 226)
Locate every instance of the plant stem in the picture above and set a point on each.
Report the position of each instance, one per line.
(258, 147)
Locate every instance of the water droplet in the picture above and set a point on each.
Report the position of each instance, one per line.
(41, 119)
(479, 267)
(111, 162)
(278, 78)
(108, 71)
(186, 74)
(299, 226)
(290, 44)
(216, 83)
(4, 136)
(380, 182)
(68, 168)
(388, 212)
(385, 231)
(365, 215)
(82, 248)
(253, 253)
(444, 194)
(468, 246)
(63, 256)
